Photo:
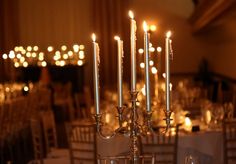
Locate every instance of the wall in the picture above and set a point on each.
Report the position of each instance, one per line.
(170, 14)
(222, 45)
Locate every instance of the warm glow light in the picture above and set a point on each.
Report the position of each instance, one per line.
(63, 48)
(81, 55)
(150, 44)
(81, 47)
(151, 63)
(55, 57)
(65, 56)
(41, 56)
(159, 49)
(76, 47)
(11, 54)
(16, 64)
(170, 86)
(23, 51)
(16, 49)
(80, 62)
(26, 88)
(187, 124)
(21, 48)
(70, 53)
(62, 63)
(28, 54)
(7, 89)
(140, 51)
(131, 14)
(153, 27)
(143, 90)
(34, 54)
(145, 26)
(18, 56)
(50, 48)
(35, 48)
(93, 37)
(57, 63)
(4, 56)
(151, 49)
(57, 53)
(25, 64)
(22, 59)
(116, 37)
(168, 34)
(29, 48)
(142, 65)
(164, 75)
(154, 70)
(44, 63)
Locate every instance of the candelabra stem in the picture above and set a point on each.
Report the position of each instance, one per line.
(134, 129)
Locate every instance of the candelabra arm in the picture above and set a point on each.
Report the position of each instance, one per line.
(99, 125)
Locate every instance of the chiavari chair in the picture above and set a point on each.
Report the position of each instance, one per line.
(82, 143)
(36, 132)
(49, 130)
(229, 138)
(143, 159)
(162, 145)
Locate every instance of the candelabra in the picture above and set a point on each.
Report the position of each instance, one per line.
(134, 128)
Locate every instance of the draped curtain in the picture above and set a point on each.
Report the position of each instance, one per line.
(9, 35)
(57, 22)
(110, 18)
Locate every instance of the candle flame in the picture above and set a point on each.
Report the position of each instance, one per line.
(116, 37)
(159, 49)
(131, 14)
(145, 26)
(93, 37)
(168, 34)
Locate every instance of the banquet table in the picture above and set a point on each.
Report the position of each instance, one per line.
(206, 146)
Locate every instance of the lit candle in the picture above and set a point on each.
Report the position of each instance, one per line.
(146, 61)
(95, 72)
(159, 49)
(133, 50)
(119, 70)
(167, 65)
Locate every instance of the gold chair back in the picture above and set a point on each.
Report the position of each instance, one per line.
(229, 138)
(143, 159)
(163, 145)
(82, 143)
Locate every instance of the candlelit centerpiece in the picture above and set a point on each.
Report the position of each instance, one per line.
(131, 126)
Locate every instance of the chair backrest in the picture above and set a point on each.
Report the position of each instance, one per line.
(82, 143)
(49, 130)
(163, 145)
(36, 132)
(229, 137)
(143, 159)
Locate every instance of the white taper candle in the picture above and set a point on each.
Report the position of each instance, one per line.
(96, 73)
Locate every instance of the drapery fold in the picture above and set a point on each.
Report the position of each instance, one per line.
(110, 19)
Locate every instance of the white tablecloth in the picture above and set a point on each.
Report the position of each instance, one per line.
(206, 146)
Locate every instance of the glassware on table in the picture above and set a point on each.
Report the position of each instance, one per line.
(217, 113)
(229, 110)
